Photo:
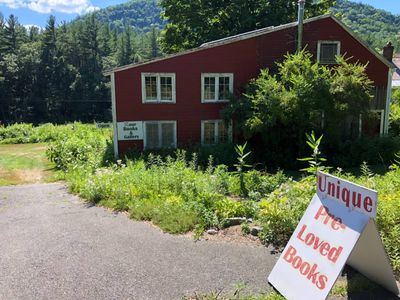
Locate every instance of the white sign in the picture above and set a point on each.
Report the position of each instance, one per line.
(325, 238)
(353, 196)
(130, 131)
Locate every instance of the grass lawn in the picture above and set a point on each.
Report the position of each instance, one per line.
(22, 164)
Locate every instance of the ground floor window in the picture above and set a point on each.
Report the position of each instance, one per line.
(215, 132)
(372, 124)
(159, 134)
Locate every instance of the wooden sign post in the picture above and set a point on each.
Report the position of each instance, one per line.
(337, 227)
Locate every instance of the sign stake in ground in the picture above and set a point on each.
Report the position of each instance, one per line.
(338, 227)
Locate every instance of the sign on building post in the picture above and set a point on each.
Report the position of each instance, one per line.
(337, 227)
(130, 131)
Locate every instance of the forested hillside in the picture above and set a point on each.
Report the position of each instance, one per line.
(55, 74)
(375, 26)
(141, 15)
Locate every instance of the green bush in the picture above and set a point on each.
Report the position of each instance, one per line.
(394, 120)
(80, 146)
(280, 212)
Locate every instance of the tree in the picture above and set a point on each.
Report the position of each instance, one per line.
(191, 23)
(13, 35)
(277, 109)
(153, 43)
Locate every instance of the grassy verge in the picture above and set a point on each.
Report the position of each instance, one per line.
(22, 164)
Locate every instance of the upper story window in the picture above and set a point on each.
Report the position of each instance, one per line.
(327, 51)
(159, 134)
(158, 88)
(216, 87)
(215, 132)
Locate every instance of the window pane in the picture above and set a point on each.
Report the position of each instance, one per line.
(166, 88)
(223, 88)
(152, 135)
(151, 87)
(167, 135)
(209, 133)
(209, 88)
(328, 53)
(222, 132)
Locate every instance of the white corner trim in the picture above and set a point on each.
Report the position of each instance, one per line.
(327, 42)
(158, 82)
(114, 115)
(216, 76)
(388, 100)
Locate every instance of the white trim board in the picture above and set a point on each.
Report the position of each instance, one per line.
(114, 115)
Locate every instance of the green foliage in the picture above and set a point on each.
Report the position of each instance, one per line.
(281, 211)
(371, 150)
(315, 161)
(375, 26)
(214, 20)
(56, 74)
(278, 109)
(241, 165)
(394, 118)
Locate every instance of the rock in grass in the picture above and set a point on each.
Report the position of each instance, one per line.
(234, 221)
(254, 230)
(212, 231)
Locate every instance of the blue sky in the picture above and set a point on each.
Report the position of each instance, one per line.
(36, 12)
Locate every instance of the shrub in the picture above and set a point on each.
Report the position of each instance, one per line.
(281, 211)
(81, 146)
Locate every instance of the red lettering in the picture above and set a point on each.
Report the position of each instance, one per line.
(313, 274)
(290, 253)
(368, 204)
(324, 212)
(321, 283)
(305, 268)
(346, 196)
(334, 254)
(324, 250)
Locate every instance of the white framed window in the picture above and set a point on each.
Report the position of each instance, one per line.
(159, 134)
(374, 124)
(158, 88)
(327, 51)
(216, 87)
(215, 132)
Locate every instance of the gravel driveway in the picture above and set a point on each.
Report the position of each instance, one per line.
(53, 246)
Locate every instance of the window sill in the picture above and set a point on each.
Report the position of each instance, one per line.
(214, 101)
(158, 102)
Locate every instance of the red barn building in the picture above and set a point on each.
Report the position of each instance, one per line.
(177, 100)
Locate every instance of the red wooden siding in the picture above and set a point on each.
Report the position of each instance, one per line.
(242, 58)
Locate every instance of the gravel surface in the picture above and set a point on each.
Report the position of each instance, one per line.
(54, 246)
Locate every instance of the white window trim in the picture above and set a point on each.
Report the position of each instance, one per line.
(159, 75)
(159, 132)
(203, 122)
(216, 76)
(327, 42)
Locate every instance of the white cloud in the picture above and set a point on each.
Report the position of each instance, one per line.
(50, 6)
(13, 3)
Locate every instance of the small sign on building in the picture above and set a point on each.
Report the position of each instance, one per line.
(338, 227)
(130, 131)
